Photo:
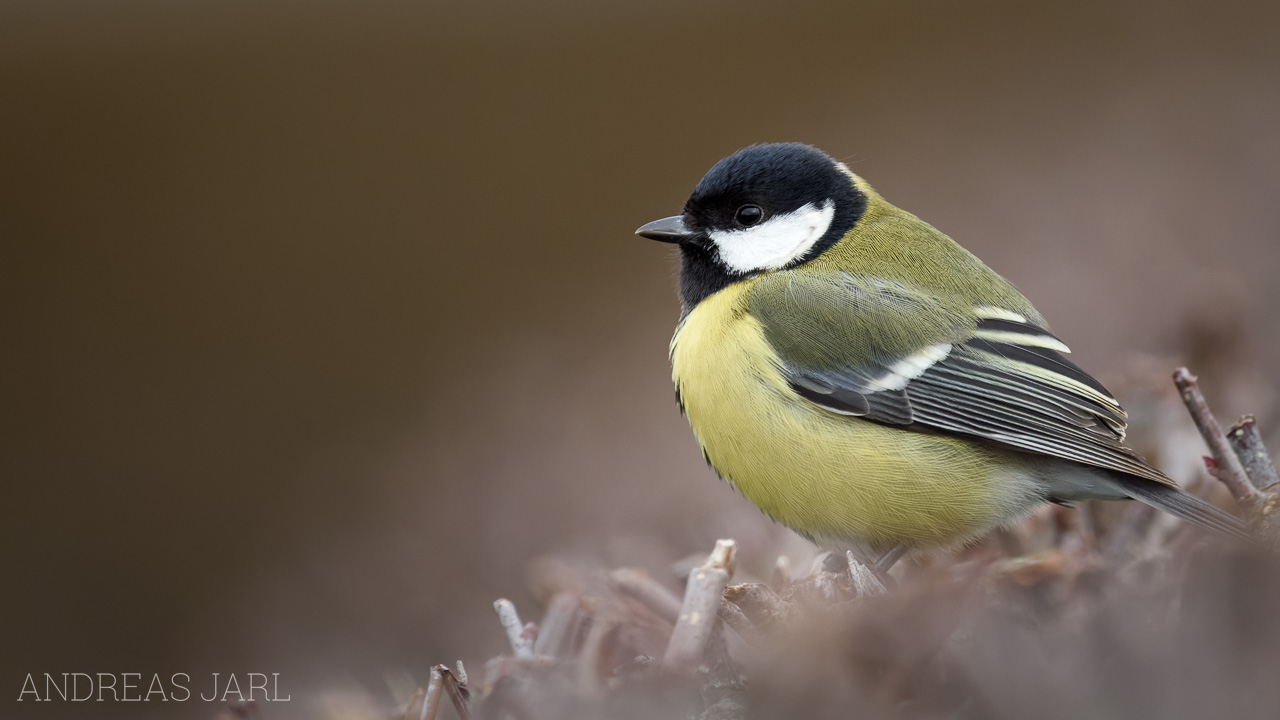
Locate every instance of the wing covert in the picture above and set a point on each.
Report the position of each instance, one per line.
(847, 345)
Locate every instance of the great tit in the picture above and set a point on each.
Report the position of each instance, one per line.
(869, 383)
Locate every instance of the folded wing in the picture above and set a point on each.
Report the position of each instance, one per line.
(880, 351)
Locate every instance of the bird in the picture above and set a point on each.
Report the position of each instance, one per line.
(869, 383)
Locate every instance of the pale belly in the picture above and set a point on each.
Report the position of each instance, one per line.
(837, 479)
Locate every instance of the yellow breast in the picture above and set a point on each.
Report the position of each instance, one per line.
(832, 477)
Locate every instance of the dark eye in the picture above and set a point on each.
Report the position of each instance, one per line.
(749, 215)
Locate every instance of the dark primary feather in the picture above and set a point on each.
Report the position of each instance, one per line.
(1183, 504)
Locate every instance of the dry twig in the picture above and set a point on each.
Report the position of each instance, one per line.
(530, 634)
(594, 651)
(561, 632)
(1228, 469)
(723, 690)
(733, 616)
(521, 644)
(866, 583)
(456, 688)
(432, 701)
(700, 610)
(1246, 441)
(760, 604)
(638, 585)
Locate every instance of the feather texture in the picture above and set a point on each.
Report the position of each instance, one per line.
(998, 380)
(888, 388)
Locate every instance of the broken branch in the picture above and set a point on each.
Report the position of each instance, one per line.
(521, 644)
(432, 701)
(1229, 470)
(456, 689)
(700, 610)
(865, 580)
(1246, 441)
(760, 604)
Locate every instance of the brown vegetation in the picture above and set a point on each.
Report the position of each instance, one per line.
(1076, 614)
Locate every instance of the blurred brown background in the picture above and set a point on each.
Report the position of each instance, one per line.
(322, 319)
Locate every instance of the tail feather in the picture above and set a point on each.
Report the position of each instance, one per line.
(1177, 501)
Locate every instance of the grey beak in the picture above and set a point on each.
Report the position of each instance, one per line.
(671, 229)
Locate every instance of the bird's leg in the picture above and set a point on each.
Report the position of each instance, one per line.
(887, 560)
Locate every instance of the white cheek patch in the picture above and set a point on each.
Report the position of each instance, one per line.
(775, 242)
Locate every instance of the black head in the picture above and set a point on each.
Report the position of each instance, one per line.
(763, 208)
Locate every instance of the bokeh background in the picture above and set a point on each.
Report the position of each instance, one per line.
(321, 321)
